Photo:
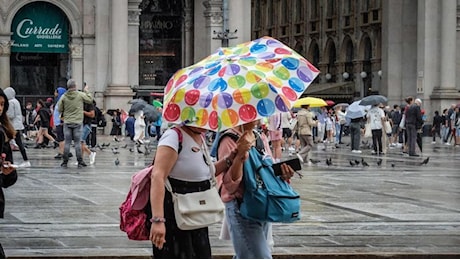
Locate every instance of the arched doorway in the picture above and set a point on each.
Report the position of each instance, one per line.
(39, 60)
(366, 73)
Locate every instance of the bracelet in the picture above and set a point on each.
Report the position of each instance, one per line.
(157, 220)
(228, 162)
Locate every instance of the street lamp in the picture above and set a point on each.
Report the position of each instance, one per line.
(328, 76)
(363, 74)
(379, 73)
(345, 75)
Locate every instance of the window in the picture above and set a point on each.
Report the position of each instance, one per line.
(314, 9)
(284, 12)
(298, 11)
(330, 8)
(270, 13)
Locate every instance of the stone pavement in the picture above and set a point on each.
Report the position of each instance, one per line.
(398, 209)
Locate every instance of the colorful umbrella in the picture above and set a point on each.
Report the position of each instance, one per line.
(237, 85)
(312, 101)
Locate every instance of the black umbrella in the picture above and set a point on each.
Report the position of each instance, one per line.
(136, 101)
(136, 107)
(373, 100)
(151, 113)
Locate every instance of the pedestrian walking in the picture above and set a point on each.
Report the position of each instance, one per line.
(58, 123)
(304, 126)
(88, 114)
(436, 128)
(14, 114)
(71, 109)
(8, 174)
(250, 238)
(413, 123)
(376, 117)
(116, 125)
(43, 120)
(275, 135)
(188, 170)
(139, 127)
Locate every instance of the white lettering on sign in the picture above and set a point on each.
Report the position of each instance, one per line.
(157, 25)
(25, 29)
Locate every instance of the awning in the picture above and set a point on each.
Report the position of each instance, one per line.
(331, 90)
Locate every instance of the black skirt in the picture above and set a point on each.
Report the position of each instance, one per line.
(182, 244)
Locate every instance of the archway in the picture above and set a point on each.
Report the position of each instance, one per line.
(347, 55)
(331, 56)
(39, 60)
(366, 72)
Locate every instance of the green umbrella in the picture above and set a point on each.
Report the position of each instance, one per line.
(157, 103)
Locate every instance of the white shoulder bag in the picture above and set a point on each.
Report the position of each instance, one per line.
(196, 210)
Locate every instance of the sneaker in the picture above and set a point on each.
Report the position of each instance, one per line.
(75, 163)
(81, 164)
(291, 149)
(300, 158)
(356, 151)
(92, 157)
(374, 152)
(64, 165)
(434, 142)
(58, 156)
(25, 164)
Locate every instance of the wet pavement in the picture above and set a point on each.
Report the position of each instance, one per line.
(399, 208)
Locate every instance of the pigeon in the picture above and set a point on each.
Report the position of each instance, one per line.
(100, 147)
(139, 151)
(146, 151)
(314, 161)
(329, 161)
(107, 145)
(352, 163)
(117, 162)
(115, 151)
(124, 146)
(425, 161)
(356, 162)
(364, 163)
(131, 150)
(379, 162)
(393, 165)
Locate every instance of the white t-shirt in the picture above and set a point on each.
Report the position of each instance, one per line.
(375, 115)
(286, 119)
(190, 164)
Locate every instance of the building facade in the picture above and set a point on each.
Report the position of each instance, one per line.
(120, 48)
(396, 48)
(123, 48)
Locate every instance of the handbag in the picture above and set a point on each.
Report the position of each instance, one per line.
(200, 209)
(387, 127)
(367, 130)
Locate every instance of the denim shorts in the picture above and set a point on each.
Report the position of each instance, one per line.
(85, 131)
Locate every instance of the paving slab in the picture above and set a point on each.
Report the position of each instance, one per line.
(397, 209)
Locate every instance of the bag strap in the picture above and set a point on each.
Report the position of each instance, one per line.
(206, 155)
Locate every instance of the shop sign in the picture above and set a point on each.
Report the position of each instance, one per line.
(40, 27)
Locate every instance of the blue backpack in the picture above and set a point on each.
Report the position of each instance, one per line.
(266, 197)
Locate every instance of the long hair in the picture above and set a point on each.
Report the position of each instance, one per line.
(4, 121)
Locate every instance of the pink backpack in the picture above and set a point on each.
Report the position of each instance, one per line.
(133, 218)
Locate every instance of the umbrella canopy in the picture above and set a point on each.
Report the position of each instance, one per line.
(342, 105)
(157, 103)
(355, 110)
(136, 101)
(373, 100)
(136, 107)
(312, 101)
(237, 85)
(330, 102)
(151, 113)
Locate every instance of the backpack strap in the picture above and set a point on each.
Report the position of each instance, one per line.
(259, 143)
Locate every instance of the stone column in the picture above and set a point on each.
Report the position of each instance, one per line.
(119, 43)
(214, 21)
(76, 54)
(102, 26)
(188, 31)
(446, 93)
(239, 18)
(5, 53)
(133, 42)
(118, 92)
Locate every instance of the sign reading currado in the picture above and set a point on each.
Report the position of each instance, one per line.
(40, 27)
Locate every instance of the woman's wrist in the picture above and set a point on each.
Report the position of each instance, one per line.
(156, 219)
